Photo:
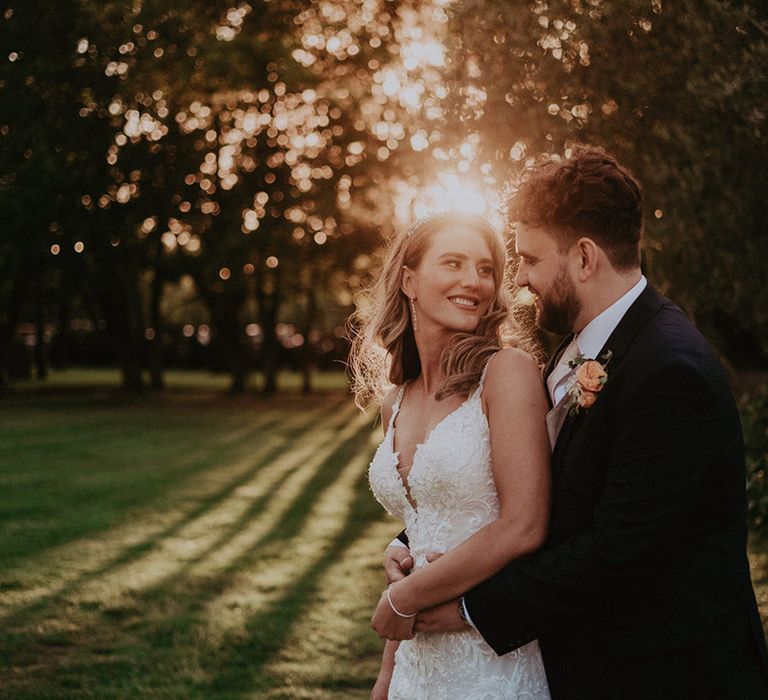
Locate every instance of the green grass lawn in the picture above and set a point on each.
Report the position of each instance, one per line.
(178, 380)
(187, 546)
(190, 545)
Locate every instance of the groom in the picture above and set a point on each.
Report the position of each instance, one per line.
(642, 590)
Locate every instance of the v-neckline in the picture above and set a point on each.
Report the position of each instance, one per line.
(405, 481)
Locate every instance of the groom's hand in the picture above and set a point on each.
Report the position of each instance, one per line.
(442, 618)
(398, 563)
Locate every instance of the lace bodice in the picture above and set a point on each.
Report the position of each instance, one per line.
(451, 483)
(450, 480)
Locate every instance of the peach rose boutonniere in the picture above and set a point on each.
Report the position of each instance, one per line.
(589, 378)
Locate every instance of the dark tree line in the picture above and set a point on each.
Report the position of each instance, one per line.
(145, 141)
(257, 152)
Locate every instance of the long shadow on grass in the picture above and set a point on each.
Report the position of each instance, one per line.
(141, 548)
(292, 520)
(170, 615)
(111, 505)
(240, 662)
(286, 527)
(160, 628)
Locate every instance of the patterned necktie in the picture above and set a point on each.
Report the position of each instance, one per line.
(556, 381)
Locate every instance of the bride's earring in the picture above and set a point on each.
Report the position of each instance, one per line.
(414, 322)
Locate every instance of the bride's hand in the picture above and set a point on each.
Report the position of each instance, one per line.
(398, 563)
(389, 624)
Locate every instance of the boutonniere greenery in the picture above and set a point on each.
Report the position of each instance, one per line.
(589, 379)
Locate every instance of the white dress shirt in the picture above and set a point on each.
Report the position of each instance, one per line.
(595, 334)
(592, 339)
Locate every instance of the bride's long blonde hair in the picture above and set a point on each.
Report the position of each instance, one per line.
(384, 347)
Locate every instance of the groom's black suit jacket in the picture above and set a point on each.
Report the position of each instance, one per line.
(642, 590)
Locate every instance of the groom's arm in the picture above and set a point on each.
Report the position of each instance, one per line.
(658, 480)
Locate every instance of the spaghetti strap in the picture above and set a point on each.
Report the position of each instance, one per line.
(396, 405)
(480, 384)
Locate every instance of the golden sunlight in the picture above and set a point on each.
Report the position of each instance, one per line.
(448, 192)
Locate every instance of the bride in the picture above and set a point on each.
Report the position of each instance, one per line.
(465, 456)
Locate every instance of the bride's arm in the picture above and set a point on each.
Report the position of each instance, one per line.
(381, 687)
(517, 407)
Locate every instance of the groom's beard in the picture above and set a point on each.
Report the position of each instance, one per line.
(559, 306)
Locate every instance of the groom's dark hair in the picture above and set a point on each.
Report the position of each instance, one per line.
(586, 194)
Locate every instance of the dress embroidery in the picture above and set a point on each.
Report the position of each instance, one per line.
(451, 482)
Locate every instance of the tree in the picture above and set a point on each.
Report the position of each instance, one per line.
(188, 128)
(679, 91)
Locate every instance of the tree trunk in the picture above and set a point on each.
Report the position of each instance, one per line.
(8, 327)
(61, 343)
(41, 360)
(225, 315)
(269, 303)
(7, 331)
(230, 326)
(306, 376)
(270, 349)
(155, 345)
(130, 352)
(306, 349)
(119, 295)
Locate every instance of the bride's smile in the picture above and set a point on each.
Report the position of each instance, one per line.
(454, 284)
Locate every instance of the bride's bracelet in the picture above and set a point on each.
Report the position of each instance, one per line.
(394, 609)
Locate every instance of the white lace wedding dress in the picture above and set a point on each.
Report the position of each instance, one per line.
(452, 485)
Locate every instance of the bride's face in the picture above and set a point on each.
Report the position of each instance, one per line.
(453, 285)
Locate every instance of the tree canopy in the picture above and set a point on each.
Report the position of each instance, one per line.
(249, 157)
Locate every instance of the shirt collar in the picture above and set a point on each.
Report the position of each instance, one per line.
(596, 333)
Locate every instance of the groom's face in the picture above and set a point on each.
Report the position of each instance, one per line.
(545, 273)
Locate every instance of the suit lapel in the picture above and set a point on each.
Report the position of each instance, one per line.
(557, 354)
(643, 308)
